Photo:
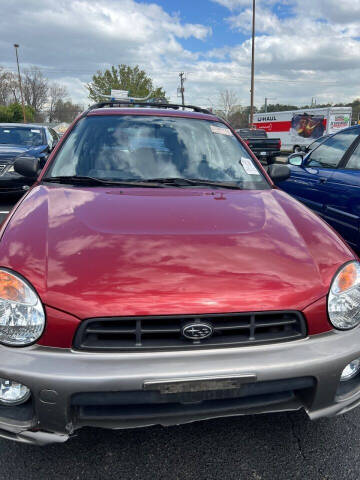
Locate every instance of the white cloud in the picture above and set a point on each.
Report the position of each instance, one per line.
(314, 51)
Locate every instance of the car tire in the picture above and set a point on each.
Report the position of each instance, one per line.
(296, 149)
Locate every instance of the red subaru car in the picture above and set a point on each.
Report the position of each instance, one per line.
(155, 275)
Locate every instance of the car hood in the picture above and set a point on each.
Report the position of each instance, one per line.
(10, 152)
(105, 251)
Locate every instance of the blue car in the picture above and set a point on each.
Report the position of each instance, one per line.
(327, 180)
(22, 140)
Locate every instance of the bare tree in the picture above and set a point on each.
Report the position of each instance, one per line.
(8, 87)
(35, 87)
(56, 92)
(66, 111)
(228, 103)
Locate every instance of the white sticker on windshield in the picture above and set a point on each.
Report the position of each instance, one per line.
(35, 131)
(6, 131)
(249, 167)
(221, 130)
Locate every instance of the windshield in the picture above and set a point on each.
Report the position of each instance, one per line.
(24, 136)
(149, 147)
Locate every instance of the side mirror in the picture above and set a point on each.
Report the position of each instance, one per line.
(27, 166)
(296, 159)
(279, 173)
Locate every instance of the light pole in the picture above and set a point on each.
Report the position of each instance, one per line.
(252, 67)
(266, 102)
(182, 89)
(20, 84)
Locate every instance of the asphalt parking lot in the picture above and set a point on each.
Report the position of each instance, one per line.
(278, 446)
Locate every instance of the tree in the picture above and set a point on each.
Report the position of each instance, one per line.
(278, 107)
(123, 77)
(66, 111)
(240, 118)
(8, 87)
(35, 87)
(13, 113)
(56, 93)
(228, 104)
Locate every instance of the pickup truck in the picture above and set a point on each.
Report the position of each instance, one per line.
(266, 149)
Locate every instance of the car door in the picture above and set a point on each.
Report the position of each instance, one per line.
(343, 208)
(308, 182)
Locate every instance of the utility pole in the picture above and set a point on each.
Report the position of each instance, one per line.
(182, 80)
(20, 84)
(266, 103)
(252, 67)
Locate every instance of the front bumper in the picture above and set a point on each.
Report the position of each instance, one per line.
(71, 389)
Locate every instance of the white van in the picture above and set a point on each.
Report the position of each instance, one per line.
(297, 128)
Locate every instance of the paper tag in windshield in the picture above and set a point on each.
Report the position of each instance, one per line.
(220, 130)
(35, 131)
(249, 167)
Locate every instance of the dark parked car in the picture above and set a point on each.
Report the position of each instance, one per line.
(328, 181)
(266, 149)
(22, 140)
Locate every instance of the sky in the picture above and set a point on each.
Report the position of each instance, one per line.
(303, 48)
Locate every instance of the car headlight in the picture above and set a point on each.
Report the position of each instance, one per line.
(22, 317)
(344, 297)
(11, 168)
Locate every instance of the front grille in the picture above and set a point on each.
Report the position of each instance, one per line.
(165, 332)
(143, 406)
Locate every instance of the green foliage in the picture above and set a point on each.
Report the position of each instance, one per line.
(16, 112)
(13, 113)
(5, 114)
(123, 77)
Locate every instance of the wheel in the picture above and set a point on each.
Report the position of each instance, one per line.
(296, 149)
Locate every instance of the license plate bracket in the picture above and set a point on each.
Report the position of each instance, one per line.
(198, 384)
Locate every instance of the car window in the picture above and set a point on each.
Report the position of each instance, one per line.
(54, 135)
(330, 153)
(27, 136)
(354, 160)
(136, 147)
(317, 142)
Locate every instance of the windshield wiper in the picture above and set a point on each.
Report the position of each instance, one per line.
(149, 183)
(85, 180)
(181, 182)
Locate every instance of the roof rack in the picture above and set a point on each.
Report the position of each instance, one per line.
(124, 103)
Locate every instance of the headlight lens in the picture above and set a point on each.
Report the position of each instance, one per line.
(11, 168)
(22, 317)
(344, 297)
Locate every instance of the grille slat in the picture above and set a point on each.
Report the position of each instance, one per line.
(107, 331)
(165, 332)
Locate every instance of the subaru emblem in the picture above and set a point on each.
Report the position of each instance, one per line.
(197, 331)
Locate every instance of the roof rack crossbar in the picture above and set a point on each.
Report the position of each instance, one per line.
(124, 103)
